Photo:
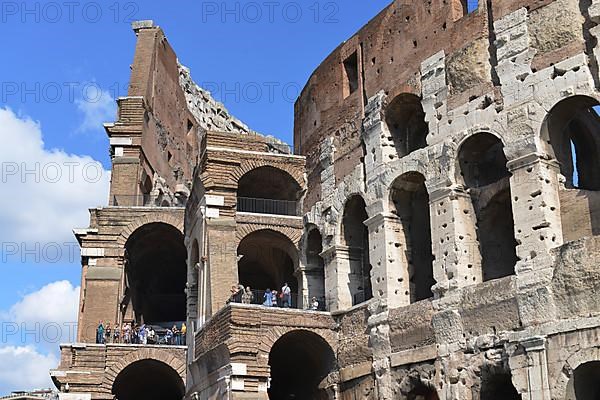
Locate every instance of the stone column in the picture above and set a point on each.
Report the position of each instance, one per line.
(390, 278)
(529, 369)
(337, 277)
(454, 240)
(536, 210)
(221, 271)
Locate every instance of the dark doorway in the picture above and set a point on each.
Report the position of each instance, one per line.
(405, 120)
(586, 381)
(299, 361)
(410, 203)
(156, 272)
(484, 172)
(356, 237)
(148, 380)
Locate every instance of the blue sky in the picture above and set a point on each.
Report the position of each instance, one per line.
(57, 57)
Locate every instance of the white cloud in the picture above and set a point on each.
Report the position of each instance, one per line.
(23, 368)
(45, 192)
(36, 324)
(97, 105)
(56, 302)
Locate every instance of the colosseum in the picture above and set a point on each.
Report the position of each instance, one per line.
(435, 222)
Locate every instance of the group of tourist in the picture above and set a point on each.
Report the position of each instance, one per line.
(270, 298)
(140, 334)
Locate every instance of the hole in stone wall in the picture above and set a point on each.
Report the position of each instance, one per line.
(410, 202)
(497, 385)
(351, 74)
(405, 120)
(355, 236)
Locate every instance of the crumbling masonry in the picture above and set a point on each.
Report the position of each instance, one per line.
(441, 205)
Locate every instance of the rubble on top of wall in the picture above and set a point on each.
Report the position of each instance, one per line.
(212, 115)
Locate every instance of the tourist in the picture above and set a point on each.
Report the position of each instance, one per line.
(100, 333)
(169, 337)
(176, 336)
(268, 297)
(108, 334)
(248, 296)
(183, 333)
(286, 294)
(117, 334)
(143, 335)
(314, 304)
(151, 336)
(127, 333)
(275, 298)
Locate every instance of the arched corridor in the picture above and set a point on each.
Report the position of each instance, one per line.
(267, 260)
(149, 380)
(156, 271)
(299, 361)
(410, 203)
(484, 173)
(355, 236)
(572, 132)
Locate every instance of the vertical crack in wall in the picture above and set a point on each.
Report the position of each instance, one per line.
(492, 46)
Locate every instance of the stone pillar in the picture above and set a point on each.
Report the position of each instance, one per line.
(454, 240)
(378, 141)
(222, 270)
(390, 278)
(303, 285)
(529, 369)
(337, 277)
(536, 210)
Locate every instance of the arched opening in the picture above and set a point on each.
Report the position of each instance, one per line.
(268, 190)
(484, 172)
(149, 380)
(421, 391)
(571, 131)
(156, 271)
(299, 362)
(267, 260)
(315, 267)
(355, 236)
(498, 386)
(585, 382)
(405, 120)
(410, 202)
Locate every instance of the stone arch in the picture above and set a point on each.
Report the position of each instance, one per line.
(408, 199)
(406, 124)
(482, 169)
(266, 260)
(567, 370)
(248, 165)
(293, 234)
(162, 355)
(569, 135)
(275, 333)
(165, 218)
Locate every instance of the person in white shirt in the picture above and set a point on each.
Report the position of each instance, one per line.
(287, 295)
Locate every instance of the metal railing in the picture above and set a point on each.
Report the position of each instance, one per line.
(296, 301)
(267, 206)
